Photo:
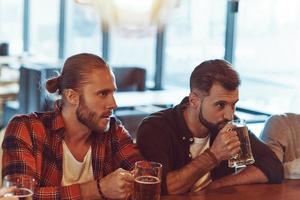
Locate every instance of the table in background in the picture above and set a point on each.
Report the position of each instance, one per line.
(134, 106)
(167, 98)
(288, 190)
(150, 97)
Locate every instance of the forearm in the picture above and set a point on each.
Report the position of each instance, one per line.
(292, 169)
(180, 181)
(250, 174)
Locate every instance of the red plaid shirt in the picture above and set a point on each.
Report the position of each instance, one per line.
(33, 145)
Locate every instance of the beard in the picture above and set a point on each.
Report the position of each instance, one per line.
(214, 128)
(88, 117)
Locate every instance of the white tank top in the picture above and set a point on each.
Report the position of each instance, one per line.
(75, 171)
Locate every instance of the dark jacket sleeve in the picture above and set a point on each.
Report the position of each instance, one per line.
(154, 145)
(266, 160)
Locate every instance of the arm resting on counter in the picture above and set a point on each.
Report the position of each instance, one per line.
(180, 181)
(248, 175)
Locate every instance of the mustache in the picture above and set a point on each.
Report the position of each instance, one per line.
(217, 127)
(223, 123)
(106, 114)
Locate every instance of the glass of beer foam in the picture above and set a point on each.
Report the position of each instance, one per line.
(147, 180)
(24, 186)
(244, 157)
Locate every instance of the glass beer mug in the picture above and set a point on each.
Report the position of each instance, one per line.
(24, 186)
(244, 157)
(147, 180)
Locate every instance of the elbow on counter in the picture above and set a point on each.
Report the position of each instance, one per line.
(277, 173)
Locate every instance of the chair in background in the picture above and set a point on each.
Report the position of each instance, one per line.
(130, 78)
(32, 95)
(131, 118)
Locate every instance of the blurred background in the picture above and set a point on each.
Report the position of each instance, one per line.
(166, 38)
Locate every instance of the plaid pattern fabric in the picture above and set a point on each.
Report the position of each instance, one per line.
(33, 146)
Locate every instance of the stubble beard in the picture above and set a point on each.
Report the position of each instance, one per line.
(214, 128)
(88, 118)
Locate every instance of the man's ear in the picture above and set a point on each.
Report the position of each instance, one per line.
(194, 99)
(71, 96)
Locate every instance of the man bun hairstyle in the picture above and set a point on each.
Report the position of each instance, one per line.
(52, 84)
(75, 72)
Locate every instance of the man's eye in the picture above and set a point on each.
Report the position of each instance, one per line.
(103, 94)
(220, 105)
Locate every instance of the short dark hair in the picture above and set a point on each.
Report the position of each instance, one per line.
(214, 71)
(75, 72)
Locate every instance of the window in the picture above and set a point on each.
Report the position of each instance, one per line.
(43, 33)
(11, 25)
(83, 30)
(267, 52)
(195, 32)
(135, 49)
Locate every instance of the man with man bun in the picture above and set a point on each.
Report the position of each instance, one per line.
(78, 150)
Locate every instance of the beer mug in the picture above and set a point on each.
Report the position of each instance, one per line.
(244, 157)
(147, 180)
(24, 186)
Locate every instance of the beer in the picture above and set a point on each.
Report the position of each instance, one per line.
(146, 188)
(24, 194)
(21, 194)
(147, 180)
(244, 157)
(24, 186)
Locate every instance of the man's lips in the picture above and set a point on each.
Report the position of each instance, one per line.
(106, 115)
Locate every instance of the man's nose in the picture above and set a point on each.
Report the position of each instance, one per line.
(229, 113)
(113, 103)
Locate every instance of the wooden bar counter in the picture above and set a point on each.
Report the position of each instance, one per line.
(288, 190)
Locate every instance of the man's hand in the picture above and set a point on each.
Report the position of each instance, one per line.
(226, 144)
(5, 190)
(117, 185)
